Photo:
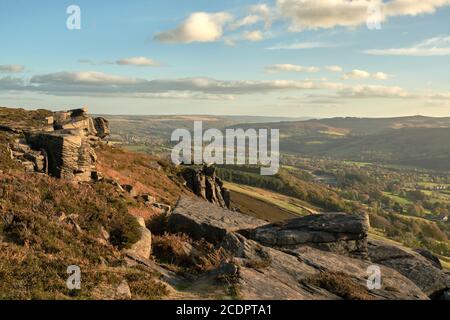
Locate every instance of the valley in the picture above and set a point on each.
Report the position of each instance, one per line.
(394, 168)
(140, 227)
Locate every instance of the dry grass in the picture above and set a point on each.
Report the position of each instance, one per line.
(341, 285)
(20, 118)
(37, 248)
(48, 224)
(141, 171)
(5, 159)
(181, 251)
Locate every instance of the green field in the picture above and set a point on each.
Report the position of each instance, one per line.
(398, 199)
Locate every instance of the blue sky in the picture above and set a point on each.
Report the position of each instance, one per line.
(282, 57)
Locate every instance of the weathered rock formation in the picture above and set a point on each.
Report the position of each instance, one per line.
(419, 269)
(201, 219)
(337, 232)
(143, 247)
(102, 127)
(267, 273)
(32, 160)
(205, 184)
(324, 256)
(63, 147)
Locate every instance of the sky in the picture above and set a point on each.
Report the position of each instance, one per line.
(295, 58)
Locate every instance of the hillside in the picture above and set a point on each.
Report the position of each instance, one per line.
(358, 126)
(415, 141)
(423, 147)
(145, 133)
(410, 141)
(139, 228)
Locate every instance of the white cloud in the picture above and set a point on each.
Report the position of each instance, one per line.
(97, 84)
(315, 14)
(83, 78)
(372, 91)
(199, 27)
(245, 22)
(436, 46)
(334, 68)
(362, 74)
(88, 83)
(264, 11)
(290, 68)
(11, 68)
(300, 15)
(132, 61)
(138, 61)
(9, 83)
(357, 74)
(301, 46)
(380, 76)
(253, 36)
(185, 95)
(413, 7)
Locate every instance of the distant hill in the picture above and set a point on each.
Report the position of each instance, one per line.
(157, 129)
(365, 126)
(414, 141)
(417, 141)
(353, 126)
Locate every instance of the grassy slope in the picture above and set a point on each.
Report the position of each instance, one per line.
(146, 173)
(37, 247)
(20, 118)
(289, 204)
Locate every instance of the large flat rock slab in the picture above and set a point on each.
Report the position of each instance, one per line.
(267, 273)
(338, 232)
(420, 270)
(200, 219)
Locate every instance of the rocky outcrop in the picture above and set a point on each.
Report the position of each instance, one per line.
(430, 257)
(69, 156)
(63, 147)
(430, 279)
(32, 160)
(324, 256)
(337, 232)
(265, 273)
(123, 291)
(205, 184)
(102, 127)
(143, 247)
(201, 219)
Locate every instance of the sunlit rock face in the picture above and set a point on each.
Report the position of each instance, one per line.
(63, 147)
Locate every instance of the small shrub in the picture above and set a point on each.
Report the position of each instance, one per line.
(125, 231)
(157, 224)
